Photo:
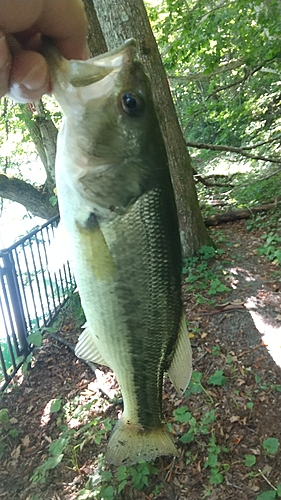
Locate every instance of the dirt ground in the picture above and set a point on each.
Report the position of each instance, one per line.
(237, 338)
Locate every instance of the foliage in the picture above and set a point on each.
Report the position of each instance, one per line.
(202, 276)
(92, 430)
(270, 445)
(18, 153)
(7, 431)
(223, 61)
(271, 248)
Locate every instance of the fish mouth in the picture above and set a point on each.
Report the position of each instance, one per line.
(83, 73)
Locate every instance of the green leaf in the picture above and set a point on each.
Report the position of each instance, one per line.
(188, 437)
(35, 339)
(121, 473)
(217, 379)
(106, 475)
(122, 485)
(4, 416)
(215, 476)
(58, 446)
(212, 460)
(13, 432)
(55, 405)
(250, 460)
(182, 414)
(267, 495)
(52, 462)
(270, 445)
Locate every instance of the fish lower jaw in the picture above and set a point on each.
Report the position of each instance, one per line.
(130, 442)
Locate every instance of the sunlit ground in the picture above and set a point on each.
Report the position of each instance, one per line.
(270, 334)
(267, 320)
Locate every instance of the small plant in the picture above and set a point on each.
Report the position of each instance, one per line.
(56, 451)
(249, 460)
(103, 485)
(270, 494)
(202, 427)
(217, 378)
(271, 248)
(201, 276)
(270, 445)
(7, 433)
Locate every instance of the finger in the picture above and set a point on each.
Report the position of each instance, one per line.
(5, 64)
(29, 77)
(66, 23)
(19, 15)
(63, 20)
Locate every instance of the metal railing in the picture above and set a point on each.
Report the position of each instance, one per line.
(31, 295)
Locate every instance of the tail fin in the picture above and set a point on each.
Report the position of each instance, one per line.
(129, 443)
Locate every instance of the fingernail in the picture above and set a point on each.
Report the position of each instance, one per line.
(36, 78)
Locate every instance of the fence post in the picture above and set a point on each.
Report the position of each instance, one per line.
(16, 300)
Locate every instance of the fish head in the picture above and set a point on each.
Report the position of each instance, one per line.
(112, 130)
(108, 101)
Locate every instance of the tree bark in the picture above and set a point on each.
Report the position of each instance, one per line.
(35, 200)
(96, 41)
(123, 19)
(43, 133)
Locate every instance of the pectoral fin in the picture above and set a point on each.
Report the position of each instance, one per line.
(87, 350)
(180, 369)
(95, 251)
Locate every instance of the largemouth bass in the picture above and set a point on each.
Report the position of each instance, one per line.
(118, 210)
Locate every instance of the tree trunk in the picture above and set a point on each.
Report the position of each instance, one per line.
(43, 133)
(123, 19)
(246, 213)
(96, 39)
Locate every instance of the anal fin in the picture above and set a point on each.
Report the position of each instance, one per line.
(87, 350)
(180, 369)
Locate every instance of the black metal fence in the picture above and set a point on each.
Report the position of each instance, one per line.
(30, 295)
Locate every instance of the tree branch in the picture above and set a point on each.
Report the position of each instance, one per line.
(195, 77)
(258, 144)
(231, 149)
(35, 200)
(214, 220)
(206, 182)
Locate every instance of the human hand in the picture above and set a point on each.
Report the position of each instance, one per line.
(24, 74)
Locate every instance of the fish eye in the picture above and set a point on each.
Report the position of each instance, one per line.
(132, 104)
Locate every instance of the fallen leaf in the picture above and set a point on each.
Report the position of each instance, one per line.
(236, 440)
(25, 441)
(234, 418)
(16, 453)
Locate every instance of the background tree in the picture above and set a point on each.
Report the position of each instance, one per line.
(28, 133)
(223, 62)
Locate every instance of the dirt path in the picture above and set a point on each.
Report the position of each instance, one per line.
(233, 405)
